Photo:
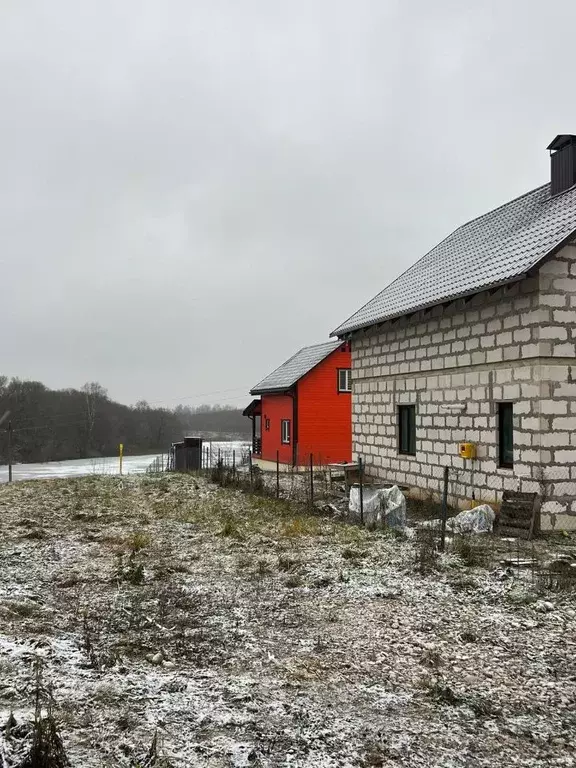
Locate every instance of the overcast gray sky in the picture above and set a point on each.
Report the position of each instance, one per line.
(191, 190)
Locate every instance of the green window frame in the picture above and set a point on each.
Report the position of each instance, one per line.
(407, 430)
(506, 435)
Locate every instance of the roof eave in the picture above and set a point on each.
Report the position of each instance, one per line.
(272, 390)
(347, 331)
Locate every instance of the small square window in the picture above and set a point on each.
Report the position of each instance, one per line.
(506, 435)
(407, 429)
(344, 380)
(285, 426)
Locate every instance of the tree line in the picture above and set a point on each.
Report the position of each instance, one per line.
(54, 425)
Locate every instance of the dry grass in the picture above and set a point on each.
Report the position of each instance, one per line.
(245, 627)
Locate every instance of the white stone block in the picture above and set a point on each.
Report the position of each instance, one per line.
(564, 315)
(564, 350)
(565, 457)
(555, 332)
(553, 407)
(531, 350)
(530, 390)
(567, 423)
(565, 284)
(553, 299)
(554, 267)
(522, 334)
(551, 439)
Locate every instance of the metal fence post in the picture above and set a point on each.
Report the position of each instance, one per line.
(234, 466)
(444, 510)
(361, 487)
(277, 474)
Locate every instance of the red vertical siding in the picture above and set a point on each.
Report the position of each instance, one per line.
(276, 408)
(324, 414)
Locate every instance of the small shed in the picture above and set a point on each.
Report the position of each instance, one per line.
(187, 455)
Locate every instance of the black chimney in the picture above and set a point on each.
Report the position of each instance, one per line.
(563, 163)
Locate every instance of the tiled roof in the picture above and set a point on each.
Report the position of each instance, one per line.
(294, 368)
(494, 249)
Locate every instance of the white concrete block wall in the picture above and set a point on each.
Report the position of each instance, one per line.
(456, 363)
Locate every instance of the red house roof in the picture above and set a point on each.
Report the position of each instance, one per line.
(297, 366)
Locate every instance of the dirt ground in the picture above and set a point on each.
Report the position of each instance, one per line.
(163, 621)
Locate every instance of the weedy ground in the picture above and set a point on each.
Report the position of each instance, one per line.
(178, 624)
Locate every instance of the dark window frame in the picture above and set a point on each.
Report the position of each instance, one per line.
(282, 439)
(506, 435)
(349, 378)
(407, 429)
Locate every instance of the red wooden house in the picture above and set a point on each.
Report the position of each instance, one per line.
(305, 408)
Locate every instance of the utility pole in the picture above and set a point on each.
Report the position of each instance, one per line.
(2, 420)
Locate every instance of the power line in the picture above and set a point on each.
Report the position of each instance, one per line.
(197, 396)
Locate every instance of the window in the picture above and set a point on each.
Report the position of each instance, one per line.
(267, 425)
(344, 380)
(407, 429)
(285, 424)
(505, 434)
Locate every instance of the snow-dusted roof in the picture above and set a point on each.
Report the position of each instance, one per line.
(293, 369)
(496, 248)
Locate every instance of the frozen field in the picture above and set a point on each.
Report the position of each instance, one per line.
(109, 465)
(76, 468)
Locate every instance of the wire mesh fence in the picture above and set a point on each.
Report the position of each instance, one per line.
(437, 540)
(310, 485)
(159, 464)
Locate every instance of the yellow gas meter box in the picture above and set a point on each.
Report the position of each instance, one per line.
(467, 450)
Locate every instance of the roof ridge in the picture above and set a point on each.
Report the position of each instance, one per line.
(438, 244)
(279, 366)
(493, 248)
(493, 210)
(318, 344)
(330, 345)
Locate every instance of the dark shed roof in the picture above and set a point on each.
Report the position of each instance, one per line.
(253, 409)
(560, 141)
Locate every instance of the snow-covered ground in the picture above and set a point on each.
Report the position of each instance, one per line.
(76, 468)
(244, 632)
(109, 465)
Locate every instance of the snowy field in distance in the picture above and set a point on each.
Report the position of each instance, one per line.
(106, 466)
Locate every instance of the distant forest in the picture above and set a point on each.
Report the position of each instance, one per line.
(53, 425)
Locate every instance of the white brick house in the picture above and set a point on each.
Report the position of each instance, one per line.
(477, 342)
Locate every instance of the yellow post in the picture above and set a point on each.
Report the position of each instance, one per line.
(121, 453)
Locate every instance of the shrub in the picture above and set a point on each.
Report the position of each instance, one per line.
(470, 549)
(426, 554)
(353, 554)
(230, 528)
(287, 563)
(139, 540)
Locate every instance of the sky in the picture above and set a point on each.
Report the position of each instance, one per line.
(192, 190)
